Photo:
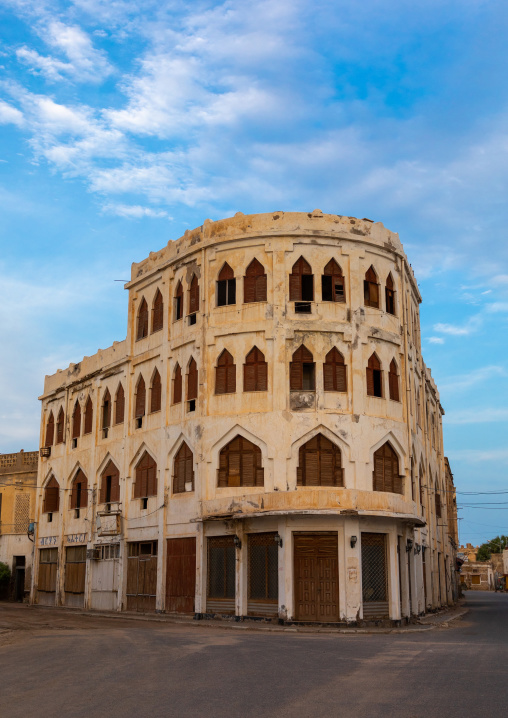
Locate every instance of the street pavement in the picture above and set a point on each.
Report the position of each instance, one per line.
(59, 664)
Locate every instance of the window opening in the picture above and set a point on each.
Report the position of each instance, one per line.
(334, 371)
(332, 283)
(193, 298)
(240, 464)
(177, 385)
(320, 463)
(179, 302)
(226, 287)
(386, 470)
(254, 283)
(371, 289)
(142, 328)
(158, 312)
(255, 371)
(301, 286)
(302, 370)
(374, 377)
(393, 381)
(225, 374)
(390, 295)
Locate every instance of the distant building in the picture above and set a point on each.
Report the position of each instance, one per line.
(18, 480)
(267, 441)
(477, 576)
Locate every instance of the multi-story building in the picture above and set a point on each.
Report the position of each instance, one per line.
(267, 440)
(18, 479)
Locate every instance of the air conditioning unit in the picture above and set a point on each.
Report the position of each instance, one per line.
(93, 554)
(45, 452)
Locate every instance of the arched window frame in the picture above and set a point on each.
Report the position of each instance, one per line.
(254, 283)
(333, 288)
(374, 374)
(386, 476)
(194, 295)
(79, 491)
(255, 371)
(371, 288)
(142, 320)
(178, 304)
(120, 404)
(51, 496)
(177, 384)
(50, 430)
(183, 470)
(76, 420)
(145, 477)
(157, 312)
(334, 371)
(319, 463)
(301, 286)
(393, 381)
(226, 286)
(140, 398)
(155, 393)
(390, 295)
(240, 464)
(225, 374)
(110, 484)
(60, 426)
(302, 370)
(88, 423)
(106, 410)
(192, 384)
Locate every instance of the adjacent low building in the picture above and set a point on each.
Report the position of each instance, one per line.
(266, 442)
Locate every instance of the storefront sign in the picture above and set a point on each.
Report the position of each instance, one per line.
(48, 540)
(76, 538)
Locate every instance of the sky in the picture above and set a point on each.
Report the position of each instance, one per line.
(122, 124)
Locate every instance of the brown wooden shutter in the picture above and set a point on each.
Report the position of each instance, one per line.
(60, 426)
(76, 420)
(333, 271)
(438, 506)
(370, 381)
(177, 385)
(179, 301)
(254, 283)
(295, 288)
(145, 477)
(334, 371)
(386, 470)
(158, 312)
(300, 357)
(192, 380)
(393, 381)
(183, 469)
(194, 295)
(112, 471)
(51, 496)
(142, 329)
(106, 410)
(119, 405)
(140, 398)
(240, 464)
(88, 416)
(379, 482)
(50, 430)
(226, 272)
(80, 478)
(319, 463)
(156, 393)
(222, 481)
(249, 290)
(225, 374)
(255, 371)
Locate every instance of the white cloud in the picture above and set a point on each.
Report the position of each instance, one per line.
(472, 325)
(134, 211)
(10, 115)
(497, 307)
(436, 340)
(475, 416)
(478, 455)
(463, 382)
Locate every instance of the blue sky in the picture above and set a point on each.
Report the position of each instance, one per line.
(124, 123)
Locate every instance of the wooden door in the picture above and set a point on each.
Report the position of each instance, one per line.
(142, 576)
(181, 575)
(316, 577)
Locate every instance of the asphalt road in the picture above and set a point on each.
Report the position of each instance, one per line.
(56, 664)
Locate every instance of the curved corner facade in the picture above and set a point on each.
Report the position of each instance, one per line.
(267, 440)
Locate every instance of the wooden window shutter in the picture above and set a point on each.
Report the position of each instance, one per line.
(139, 408)
(179, 301)
(226, 273)
(177, 385)
(60, 426)
(88, 416)
(255, 371)
(332, 283)
(393, 381)
(334, 371)
(119, 405)
(142, 329)
(50, 430)
(225, 374)
(145, 483)
(79, 493)
(254, 283)
(51, 496)
(371, 289)
(106, 410)
(240, 464)
(438, 506)
(386, 470)
(373, 365)
(300, 357)
(320, 463)
(295, 288)
(76, 420)
(158, 312)
(194, 295)
(111, 471)
(192, 380)
(183, 469)
(156, 393)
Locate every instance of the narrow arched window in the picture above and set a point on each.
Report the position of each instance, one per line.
(110, 484)
(60, 426)
(140, 401)
(50, 430)
(119, 405)
(183, 470)
(142, 328)
(371, 289)
(319, 463)
(194, 295)
(421, 481)
(157, 312)
(177, 385)
(179, 302)
(51, 496)
(155, 393)
(334, 371)
(386, 470)
(393, 381)
(374, 377)
(255, 371)
(226, 287)
(254, 283)
(332, 283)
(390, 295)
(79, 492)
(88, 417)
(240, 464)
(225, 374)
(192, 385)
(76, 420)
(145, 477)
(302, 370)
(301, 286)
(106, 410)
(438, 503)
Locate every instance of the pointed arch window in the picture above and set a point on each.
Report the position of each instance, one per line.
(225, 374)
(386, 475)
(158, 312)
(390, 295)
(177, 385)
(60, 426)
(226, 286)
(155, 393)
(183, 470)
(393, 381)
(140, 401)
(76, 420)
(194, 295)
(240, 464)
(332, 283)
(50, 430)
(119, 405)
(334, 371)
(371, 289)
(421, 481)
(374, 377)
(110, 484)
(438, 503)
(301, 286)
(88, 416)
(254, 283)
(319, 463)
(145, 477)
(302, 371)
(79, 492)
(142, 328)
(106, 410)
(255, 371)
(413, 478)
(179, 301)
(192, 385)
(51, 497)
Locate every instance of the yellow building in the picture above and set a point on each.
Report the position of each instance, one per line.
(267, 440)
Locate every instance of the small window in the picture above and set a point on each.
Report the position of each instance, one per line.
(51, 497)
(76, 420)
(140, 400)
(155, 393)
(183, 470)
(79, 492)
(193, 298)
(110, 484)
(145, 477)
(142, 327)
(88, 417)
(390, 295)
(393, 381)
(192, 381)
(334, 371)
(332, 283)
(255, 371)
(386, 470)
(60, 426)
(106, 410)
(225, 374)
(157, 312)
(192, 319)
(240, 464)
(374, 377)
(226, 287)
(119, 405)
(177, 385)
(179, 302)
(302, 370)
(301, 285)
(320, 463)
(438, 506)
(371, 289)
(50, 430)
(254, 283)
